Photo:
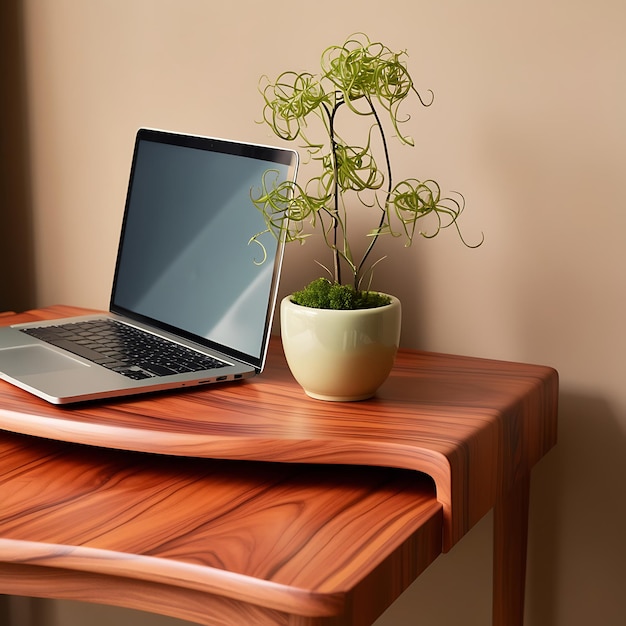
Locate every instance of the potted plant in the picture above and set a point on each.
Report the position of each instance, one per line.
(339, 336)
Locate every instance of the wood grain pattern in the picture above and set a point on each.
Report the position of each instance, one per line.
(474, 425)
(216, 542)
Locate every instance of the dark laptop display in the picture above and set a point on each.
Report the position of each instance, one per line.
(185, 260)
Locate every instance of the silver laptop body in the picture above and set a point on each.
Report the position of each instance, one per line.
(185, 272)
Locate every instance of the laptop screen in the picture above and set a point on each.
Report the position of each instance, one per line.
(185, 262)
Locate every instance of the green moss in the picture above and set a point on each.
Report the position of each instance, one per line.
(322, 294)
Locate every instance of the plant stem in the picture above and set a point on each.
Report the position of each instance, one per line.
(374, 238)
(335, 227)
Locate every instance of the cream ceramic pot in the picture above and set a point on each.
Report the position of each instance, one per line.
(340, 355)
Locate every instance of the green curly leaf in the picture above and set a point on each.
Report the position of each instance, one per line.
(365, 78)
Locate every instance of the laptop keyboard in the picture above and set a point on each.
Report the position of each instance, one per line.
(124, 349)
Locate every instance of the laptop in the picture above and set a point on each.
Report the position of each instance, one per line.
(188, 286)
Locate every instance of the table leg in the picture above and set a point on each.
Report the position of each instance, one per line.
(5, 609)
(509, 554)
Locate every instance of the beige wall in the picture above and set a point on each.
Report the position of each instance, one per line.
(528, 123)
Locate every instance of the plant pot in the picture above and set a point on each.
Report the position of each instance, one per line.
(340, 355)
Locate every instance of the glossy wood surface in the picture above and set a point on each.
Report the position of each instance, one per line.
(474, 425)
(215, 542)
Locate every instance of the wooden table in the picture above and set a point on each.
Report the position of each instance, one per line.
(256, 504)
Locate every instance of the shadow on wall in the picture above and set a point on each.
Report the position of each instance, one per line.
(17, 283)
(578, 519)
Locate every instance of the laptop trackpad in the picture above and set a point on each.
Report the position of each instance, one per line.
(28, 360)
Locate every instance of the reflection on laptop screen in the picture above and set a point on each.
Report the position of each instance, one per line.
(185, 260)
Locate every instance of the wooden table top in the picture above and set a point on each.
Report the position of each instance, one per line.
(474, 425)
(215, 542)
